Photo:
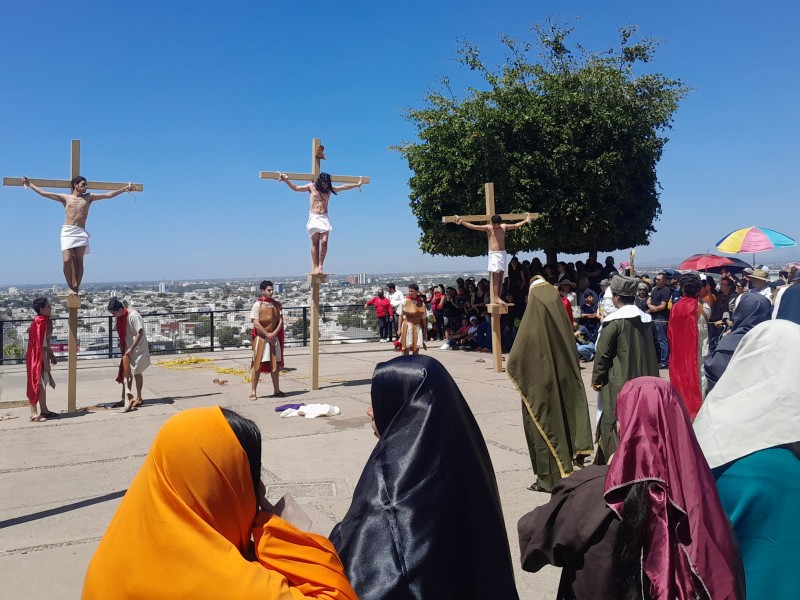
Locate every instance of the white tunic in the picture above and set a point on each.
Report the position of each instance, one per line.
(139, 356)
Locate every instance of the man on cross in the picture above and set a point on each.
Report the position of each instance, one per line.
(319, 226)
(74, 237)
(496, 231)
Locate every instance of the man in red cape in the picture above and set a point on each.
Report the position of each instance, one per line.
(36, 363)
(267, 337)
(686, 343)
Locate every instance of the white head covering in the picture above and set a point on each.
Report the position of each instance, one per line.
(756, 404)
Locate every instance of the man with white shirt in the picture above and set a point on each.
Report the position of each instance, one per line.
(396, 298)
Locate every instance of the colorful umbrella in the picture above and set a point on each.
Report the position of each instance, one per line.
(754, 239)
(711, 262)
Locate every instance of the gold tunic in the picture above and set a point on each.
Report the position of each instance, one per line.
(414, 325)
(268, 317)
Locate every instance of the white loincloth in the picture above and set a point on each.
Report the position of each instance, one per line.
(73, 236)
(266, 356)
(318, 223)
(497, 261)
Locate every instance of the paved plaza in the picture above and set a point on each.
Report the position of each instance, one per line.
(61, 481)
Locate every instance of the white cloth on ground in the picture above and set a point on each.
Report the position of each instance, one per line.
(497, 260)
(73, 236)
(318, 223)
(310, 411)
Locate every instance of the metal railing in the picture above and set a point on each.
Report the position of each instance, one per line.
(192, 331)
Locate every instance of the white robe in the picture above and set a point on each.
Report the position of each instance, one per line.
(140, 356)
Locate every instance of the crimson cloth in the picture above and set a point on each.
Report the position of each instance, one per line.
(689, 532)
(122, 331)
(568, 307)
(267, 367)
(684, 356)
(34, 357)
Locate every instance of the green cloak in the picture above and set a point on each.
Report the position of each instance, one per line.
(625, 350)
(543, 364)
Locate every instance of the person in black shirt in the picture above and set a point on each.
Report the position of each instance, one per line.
(658, 307)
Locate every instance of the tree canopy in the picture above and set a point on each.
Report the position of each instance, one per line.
(575, 136)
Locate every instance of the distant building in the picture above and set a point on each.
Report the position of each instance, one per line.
(362, 278)
(12, 291)
(56, 289)
(278, 288)
(162, 288)
(352, 280)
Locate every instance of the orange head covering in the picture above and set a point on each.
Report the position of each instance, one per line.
(184, 526)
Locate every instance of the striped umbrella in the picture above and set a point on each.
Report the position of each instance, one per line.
(754, 239)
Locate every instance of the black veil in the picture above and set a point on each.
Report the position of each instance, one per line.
(426, 520)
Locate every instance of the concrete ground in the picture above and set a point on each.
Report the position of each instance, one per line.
(61, 481)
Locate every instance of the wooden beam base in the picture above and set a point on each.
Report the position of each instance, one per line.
(73, 301)
(318, 277)
(498, 309)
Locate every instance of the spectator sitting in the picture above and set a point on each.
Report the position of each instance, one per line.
(584, 343)
(584, 290)
(470, 342)
(459, 335)
(483, 335)
(589, 319)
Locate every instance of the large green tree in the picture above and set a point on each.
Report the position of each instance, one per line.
(574, 135)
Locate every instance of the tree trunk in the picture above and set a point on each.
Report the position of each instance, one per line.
(552, 256)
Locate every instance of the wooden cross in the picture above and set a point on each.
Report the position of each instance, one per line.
(494, 309)
(73, 301)
(314, 279)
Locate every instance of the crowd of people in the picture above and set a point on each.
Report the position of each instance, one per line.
(457, 315)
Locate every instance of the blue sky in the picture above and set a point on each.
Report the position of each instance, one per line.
(193, 99)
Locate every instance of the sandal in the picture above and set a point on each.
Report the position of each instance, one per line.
(253, 397)
(50, 414)
(38, 419)
(278, 395)
(535, 487)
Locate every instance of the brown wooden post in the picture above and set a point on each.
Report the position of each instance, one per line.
(495, 310)
(314, 280)
(73, 301)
